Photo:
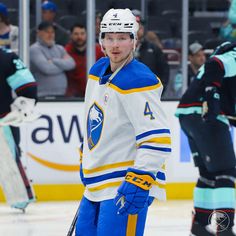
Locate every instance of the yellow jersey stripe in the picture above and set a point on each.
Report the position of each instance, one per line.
(131, 225)
(117, 184)
(80, 155)
(93, 77)
(103, 186)
(161, 140)
(163, 186)
(134, 90)
(108, 166)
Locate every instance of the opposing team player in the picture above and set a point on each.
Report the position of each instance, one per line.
(15, 81)
(127, 136)
(204, 113)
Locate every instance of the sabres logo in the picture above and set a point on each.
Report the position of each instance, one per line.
(94, 125)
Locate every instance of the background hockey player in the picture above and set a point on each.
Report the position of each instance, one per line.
(203, 114)
(16, 79)
(127, 137)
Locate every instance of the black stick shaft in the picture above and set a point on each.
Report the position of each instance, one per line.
(72, 226)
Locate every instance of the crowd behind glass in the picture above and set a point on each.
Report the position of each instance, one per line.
(58, 43)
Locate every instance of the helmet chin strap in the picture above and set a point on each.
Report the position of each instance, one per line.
(119, 68)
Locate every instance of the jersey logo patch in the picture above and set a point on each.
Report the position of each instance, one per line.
(94, 125)
(106, 97)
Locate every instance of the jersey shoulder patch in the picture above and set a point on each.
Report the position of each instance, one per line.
(99, 67)
(228, 62)
(135, 77)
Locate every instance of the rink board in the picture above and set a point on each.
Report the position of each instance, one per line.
(51, 157)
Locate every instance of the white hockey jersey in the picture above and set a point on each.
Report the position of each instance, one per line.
(125, 127)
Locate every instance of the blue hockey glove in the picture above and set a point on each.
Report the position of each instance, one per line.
(133, 194)
(211, 105)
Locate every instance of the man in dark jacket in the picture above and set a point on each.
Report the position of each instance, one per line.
(151, 55)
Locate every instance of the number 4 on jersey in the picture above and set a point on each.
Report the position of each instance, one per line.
(148, 111)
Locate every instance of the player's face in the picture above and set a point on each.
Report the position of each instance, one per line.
(79, 36)
(118, 46)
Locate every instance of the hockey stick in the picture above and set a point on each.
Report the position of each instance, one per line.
(72, 226)
(231, 117)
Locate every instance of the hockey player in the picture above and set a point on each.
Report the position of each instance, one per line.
(16, 79)
(127, 136)
(203, 113)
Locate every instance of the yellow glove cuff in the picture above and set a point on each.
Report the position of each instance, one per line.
(143, 181)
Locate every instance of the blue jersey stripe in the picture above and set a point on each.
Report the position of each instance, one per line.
(157, 131)
(112, 175)
(161, 175)
(156, 148)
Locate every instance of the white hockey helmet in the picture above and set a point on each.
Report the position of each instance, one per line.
(119, 21)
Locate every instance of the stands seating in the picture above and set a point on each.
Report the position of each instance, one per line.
(171, 14)
(217, 5)
(173, 56)
(208, 5)
(197, 36)
(13, 16)
(158, 23)
(68, 21)
(205, 23)
(213, 43)
(122, 4)
(75, 7)
(171, 27)
(14, 4)
(156, 7)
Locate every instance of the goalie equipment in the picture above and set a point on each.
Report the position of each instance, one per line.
(15, 184)
(22, 110)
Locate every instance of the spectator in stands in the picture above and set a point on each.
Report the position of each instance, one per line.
(196, 58)
(228, 29)
(49, 10)
(150, 54)
(8, 32)
(76, 48)
(152, 37)
(149, 35)
(98, 20)
(49, 61)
